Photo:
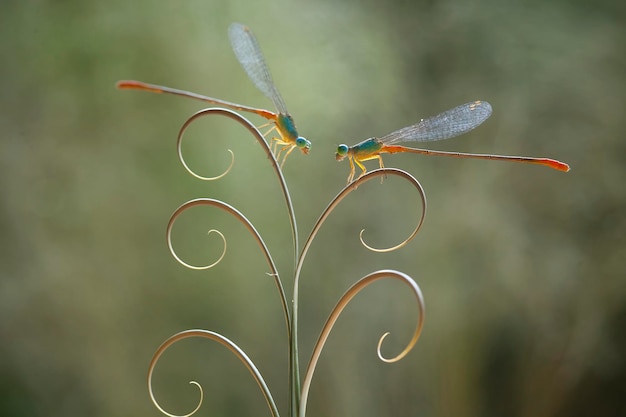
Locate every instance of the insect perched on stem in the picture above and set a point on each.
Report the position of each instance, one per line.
(250, 57)
(451, 123)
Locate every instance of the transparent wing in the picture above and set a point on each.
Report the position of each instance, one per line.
(250, 57)
(450, 123)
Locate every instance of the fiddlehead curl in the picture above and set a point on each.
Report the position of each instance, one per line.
(206, 334)
(179, 147)
(339, 307)
(415, 183)
(353, 186)
(243, 220)
(188, 265)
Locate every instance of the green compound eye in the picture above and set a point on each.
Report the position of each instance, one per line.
(342, 150)
(303, 144)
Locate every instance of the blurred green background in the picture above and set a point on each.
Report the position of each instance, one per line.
(522, 267)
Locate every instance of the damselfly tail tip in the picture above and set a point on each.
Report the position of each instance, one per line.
(122, 84)
(561, 166)
(136, 85)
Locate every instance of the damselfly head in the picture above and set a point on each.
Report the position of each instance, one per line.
(303, 144)
(342, 151)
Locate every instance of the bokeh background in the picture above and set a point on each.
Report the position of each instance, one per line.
(522, 268)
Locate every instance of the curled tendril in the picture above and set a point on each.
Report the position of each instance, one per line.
(188, 265)
(206, 334)
(179, 148)
(353, 186)
(336, 312)
(242, 219)
(266, 148)
(415, 183)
